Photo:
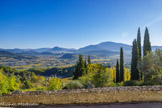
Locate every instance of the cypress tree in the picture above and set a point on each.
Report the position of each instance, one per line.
(79, 68)
(139, 42)
(85, 66)
(147, 43)
(121, 65)
(89, 59)
(135, 58)
(117, 72)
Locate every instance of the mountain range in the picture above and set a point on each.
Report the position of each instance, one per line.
(101, 49)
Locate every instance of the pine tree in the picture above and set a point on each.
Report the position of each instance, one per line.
(79, 68)
(117, 72)
(135, 59)
(121, 65)
(147, 43)
(89, 59)
(139, 43)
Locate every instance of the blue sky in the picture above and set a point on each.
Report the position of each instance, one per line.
(77, 23)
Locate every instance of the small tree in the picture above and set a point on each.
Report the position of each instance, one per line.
(101, 78)
(89, 59)
(27, 84)
(151, 66)
(54, 84)
(79, 68)
(117, 72)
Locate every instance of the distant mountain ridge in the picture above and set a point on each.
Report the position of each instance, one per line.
(8, 54)
(109, 46)
(104, 47)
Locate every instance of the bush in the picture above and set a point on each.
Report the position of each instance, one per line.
(27, 85)
(74, 85)
(112, 84)
(7, 84)
(120, 84)
(133, 83)
(155, 81)
(84, 80)
(40, 88)
(55, 84)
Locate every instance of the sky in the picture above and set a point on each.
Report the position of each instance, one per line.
(77, 23)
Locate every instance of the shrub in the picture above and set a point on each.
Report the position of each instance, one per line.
(54, 84)
(27, 85)
(101, 78)
(7, 84)
(133, 83)
(74, 85)
(84, 80)
(41, 88)
(111, 84)
(154, 81)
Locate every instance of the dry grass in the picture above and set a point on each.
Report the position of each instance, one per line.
(85, 97)
(66, 80)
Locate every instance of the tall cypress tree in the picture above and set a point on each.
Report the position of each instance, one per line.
(135, 58)
(79, 68)
(139, 42)
(121, 65)
(147, 43)
(117, 72)
(85, 66)
(89, 59)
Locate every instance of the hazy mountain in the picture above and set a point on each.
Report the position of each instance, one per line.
(98, 49)
(17, 50)
(108, 46)
(42, 49)
(59, 49)
(112, 46)
(13, 55)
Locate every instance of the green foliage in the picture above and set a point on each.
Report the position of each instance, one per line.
(27, 84)
(13, 85)
(7, 84)
(89, 59)
(135, 59)
(101, 78)
(74, 84)
(151, 66)
(154, 81)
(121, 65)
(79, 68)
(84, 80)
(117, 72)
(147, 43)
(54, 84)
(139, 43)
(66, 71)
(133, 83)
(40, 88)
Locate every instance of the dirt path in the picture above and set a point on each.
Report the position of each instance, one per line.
(115, 105)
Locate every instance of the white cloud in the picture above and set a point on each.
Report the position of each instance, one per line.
(125, 34)
(159, 19)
